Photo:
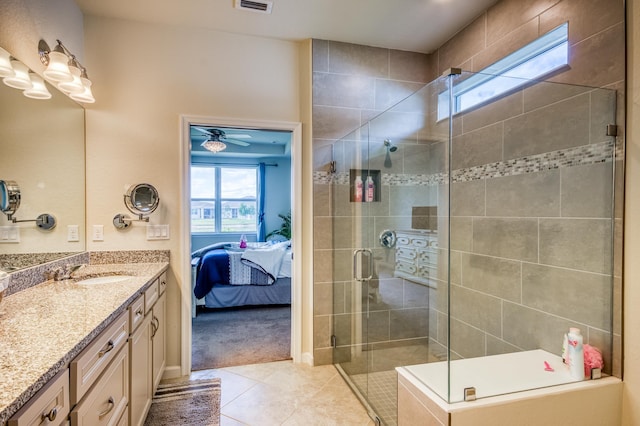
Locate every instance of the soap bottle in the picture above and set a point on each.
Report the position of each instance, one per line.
(370, 190)
(575, 353)
(357, 196)
(243, 241)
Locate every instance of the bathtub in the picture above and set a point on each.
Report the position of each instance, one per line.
(512, 389)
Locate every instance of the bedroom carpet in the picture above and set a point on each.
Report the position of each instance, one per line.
(240, 336)
(192, 403)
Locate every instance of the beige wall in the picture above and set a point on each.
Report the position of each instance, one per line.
(631, 331)
(145, 77)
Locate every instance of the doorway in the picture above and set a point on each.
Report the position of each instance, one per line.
(239, 129)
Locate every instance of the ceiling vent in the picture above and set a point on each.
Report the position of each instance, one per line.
(254, 6)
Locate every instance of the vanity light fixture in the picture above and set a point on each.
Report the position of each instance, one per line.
(6, 70)
(38, 90)
(21, 78)
(66, 72)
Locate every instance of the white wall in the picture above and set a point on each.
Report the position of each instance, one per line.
(145, 77)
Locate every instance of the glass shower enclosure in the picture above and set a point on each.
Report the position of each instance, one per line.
(473, 227)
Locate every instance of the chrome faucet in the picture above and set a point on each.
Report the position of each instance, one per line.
(63, 273)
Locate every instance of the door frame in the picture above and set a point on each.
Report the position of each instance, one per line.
(296, 217)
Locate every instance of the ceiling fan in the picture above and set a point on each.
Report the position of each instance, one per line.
(217, 139)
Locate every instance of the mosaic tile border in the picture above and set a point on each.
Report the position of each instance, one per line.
(577, 156)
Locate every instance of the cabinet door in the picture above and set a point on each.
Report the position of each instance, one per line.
(159, 337)
(140, 375)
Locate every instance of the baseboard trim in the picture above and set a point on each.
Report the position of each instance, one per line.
(307, 358)
(172, 372)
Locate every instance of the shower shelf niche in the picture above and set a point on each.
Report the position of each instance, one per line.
(376, 176)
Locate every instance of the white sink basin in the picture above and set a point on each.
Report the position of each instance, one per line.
(108, 279)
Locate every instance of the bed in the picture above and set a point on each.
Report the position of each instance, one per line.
(223, 275)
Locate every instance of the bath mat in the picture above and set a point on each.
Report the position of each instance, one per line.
(192, 403)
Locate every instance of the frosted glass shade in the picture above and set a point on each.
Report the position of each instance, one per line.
(39, 89)
(58, 68)
(6, 70)
(73, 86)
(21, 79)
(85, 96)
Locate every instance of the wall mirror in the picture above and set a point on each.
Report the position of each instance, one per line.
(42, 148)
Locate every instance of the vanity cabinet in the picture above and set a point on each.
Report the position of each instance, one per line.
(50, 406)
(159, 336)
(147, 349)
(140, 383)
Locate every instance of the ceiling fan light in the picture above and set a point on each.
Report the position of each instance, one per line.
(214, 145)
(6, 70)
(21, 80)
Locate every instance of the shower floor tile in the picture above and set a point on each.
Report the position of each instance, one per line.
(382, 391)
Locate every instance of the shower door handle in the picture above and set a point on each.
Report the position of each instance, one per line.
(358, 255)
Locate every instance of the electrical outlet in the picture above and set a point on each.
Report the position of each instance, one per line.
(73, 233)
(98, 232)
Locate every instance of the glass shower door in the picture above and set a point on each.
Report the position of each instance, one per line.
(353, 263)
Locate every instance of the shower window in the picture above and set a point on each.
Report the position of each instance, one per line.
(537, 59)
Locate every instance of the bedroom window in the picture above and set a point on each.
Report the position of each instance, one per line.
(539, 58)
(223, 199)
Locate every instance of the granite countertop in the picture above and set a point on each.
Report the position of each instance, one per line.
(44, 327)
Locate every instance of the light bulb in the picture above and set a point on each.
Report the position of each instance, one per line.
(85, 96)
(75, 85)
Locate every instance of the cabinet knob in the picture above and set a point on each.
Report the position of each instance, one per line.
(51, 415)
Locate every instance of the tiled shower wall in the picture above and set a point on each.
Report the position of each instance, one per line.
(342, 102)
(531, 228)
(351, 84)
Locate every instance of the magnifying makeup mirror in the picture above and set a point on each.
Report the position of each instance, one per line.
(142, 200)
(10, 201)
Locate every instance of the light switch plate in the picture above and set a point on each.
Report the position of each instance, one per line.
(9, 234)
(73, 233)
(157, 232)
(98, 232)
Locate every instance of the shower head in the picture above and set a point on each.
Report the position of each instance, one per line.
(390, 148)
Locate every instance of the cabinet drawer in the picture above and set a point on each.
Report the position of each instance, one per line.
(50, 406)
(107, 401)
(136, 313)
(162, 284)
(87, 367)
(151, 296)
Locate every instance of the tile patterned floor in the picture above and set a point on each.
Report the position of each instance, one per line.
(287, 394)
(382, 391)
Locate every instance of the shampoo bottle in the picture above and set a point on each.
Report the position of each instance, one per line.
(575, 353)
(357, 196)
(371, 190)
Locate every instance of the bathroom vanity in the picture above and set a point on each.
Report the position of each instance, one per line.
(87, 354)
